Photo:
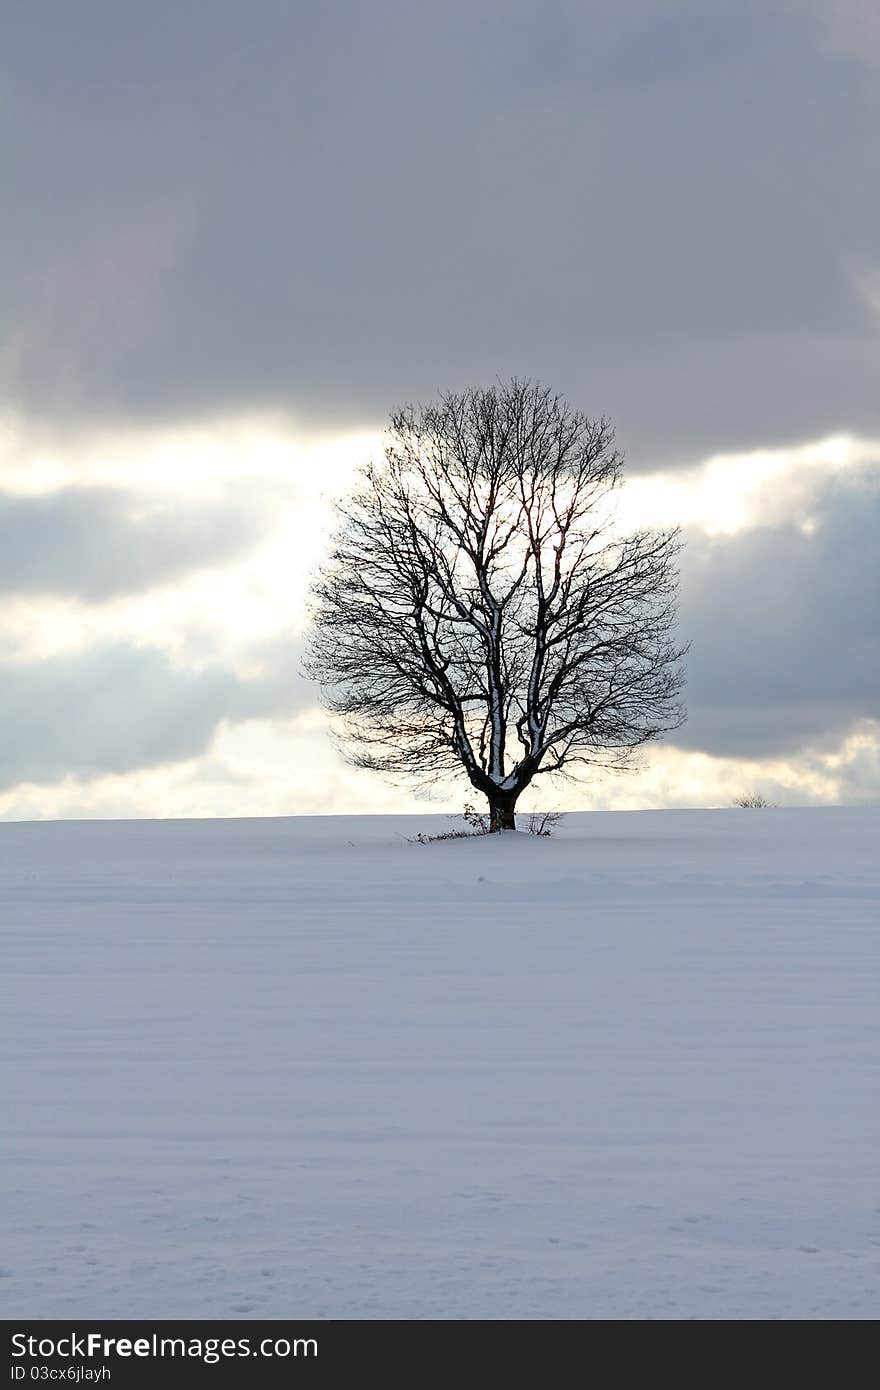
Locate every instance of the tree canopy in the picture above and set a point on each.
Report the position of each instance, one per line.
(480, 612)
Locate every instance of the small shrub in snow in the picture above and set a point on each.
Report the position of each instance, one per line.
(478, 822)
(753, 801)
(478, 825)
(423, 839)
(543, 823)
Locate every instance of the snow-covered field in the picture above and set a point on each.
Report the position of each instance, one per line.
(301, 1068)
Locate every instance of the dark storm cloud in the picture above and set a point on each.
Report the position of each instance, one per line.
(116, 709)
(99, 543)
(784, 628)
(662, 210)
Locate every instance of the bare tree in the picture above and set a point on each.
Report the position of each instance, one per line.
(478, 611)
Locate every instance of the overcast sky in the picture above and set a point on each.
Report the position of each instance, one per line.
(236, 236)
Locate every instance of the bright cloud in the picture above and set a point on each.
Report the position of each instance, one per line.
(731, 492)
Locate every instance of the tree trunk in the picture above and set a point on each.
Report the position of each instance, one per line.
(501, 816)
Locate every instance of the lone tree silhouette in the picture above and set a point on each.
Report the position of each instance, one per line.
(478, 611)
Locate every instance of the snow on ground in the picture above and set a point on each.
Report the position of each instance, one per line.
(301, 1068)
